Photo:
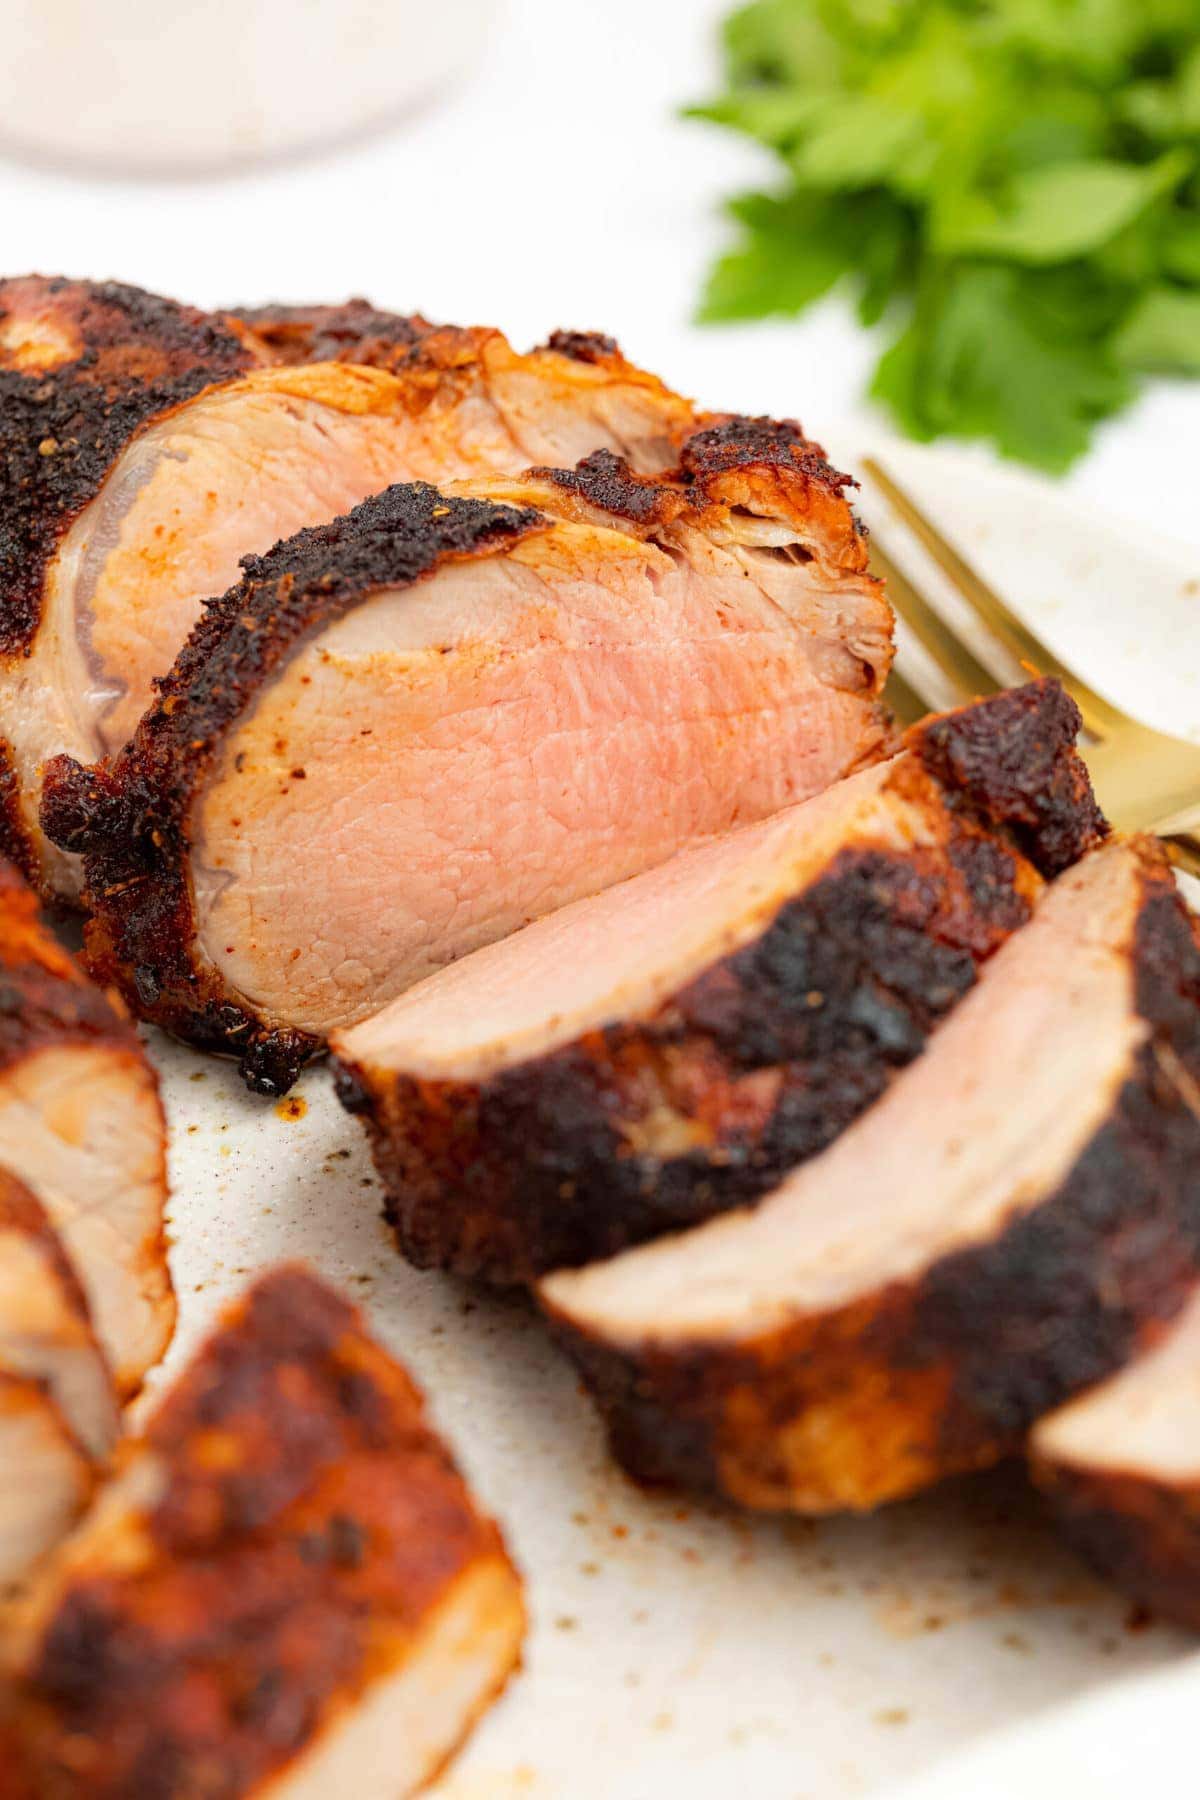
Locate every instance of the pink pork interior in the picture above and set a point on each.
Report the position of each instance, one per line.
(254, 461)
(1144, 1421)
(620, 954)
(983, 1126)
(450, 762)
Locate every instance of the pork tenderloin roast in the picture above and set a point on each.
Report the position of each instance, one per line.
(82, 1125)
(1006, 1225)
(146, 447)
(286, 1590)
(671, 1047)
(408, 733)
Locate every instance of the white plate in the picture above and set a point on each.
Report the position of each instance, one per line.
(676, 1649)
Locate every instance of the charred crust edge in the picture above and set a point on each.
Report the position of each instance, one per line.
(584, 346)
(341, 1505)
(1068, 1294)
(61, 428)
(762, 1059)
(606, 481)
(353, 332)
(45, 999)
(537, 1168)
(15, 845)
(720, 448)
(1139, 1533)
(1012, 756)
(729, 441)
(130, 819)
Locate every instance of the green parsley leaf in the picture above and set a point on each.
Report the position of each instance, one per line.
(982, 359)
(795, 248)
(1014, 185)
(1162, 332)
(792, 252)
(1054, 214)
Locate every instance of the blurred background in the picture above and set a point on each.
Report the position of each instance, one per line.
(517, 162)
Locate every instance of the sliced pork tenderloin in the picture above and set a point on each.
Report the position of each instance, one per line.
(646, 1058)
(46, 1481)
(46, 1332)
(58, 1409)
(1007, 1225)
(144, 449)
(407, 734)
(1121, 1469)
(82, 1125)
(84, 368)
(287, 1590)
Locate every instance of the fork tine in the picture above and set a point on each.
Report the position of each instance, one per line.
(965, 673)
(1100, 717)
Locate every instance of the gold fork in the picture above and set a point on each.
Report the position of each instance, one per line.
(1144, 779)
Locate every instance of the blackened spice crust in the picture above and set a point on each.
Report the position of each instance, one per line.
(732, 440)
(758, 1064)
(308, 1523)
(14, 839)
(1140, 1533)
(129, 357)
(130, 818)
(605, 480)
(949, 1371)
(722, 444)
(1005, 754)
(655, 1124)
(584, 346)
(354, 332)
(45, 999)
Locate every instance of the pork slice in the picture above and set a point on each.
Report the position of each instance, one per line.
(407, 734)
(1121, 1469)
(81, 1124)
(46, 1481)
(287, 1591)
(1003, 1228)
(145, 449)
(83, 367)
(58, 1411)
(46, 1333)
(653, 1055)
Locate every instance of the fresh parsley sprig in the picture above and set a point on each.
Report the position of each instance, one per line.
(1010, 186)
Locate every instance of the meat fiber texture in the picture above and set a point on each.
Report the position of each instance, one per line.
(145, 448)
(285, 1591)
(649, 1057)
(406, 734)
(82, 1125)
(1009, 1224)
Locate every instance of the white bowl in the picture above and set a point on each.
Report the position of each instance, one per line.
(176, 86)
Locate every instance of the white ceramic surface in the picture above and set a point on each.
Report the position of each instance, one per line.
(677, 1650)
